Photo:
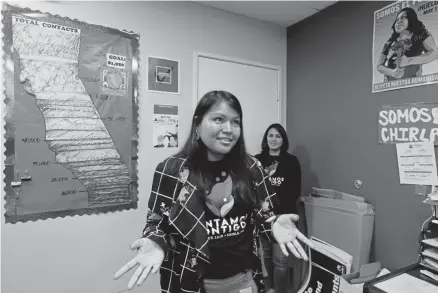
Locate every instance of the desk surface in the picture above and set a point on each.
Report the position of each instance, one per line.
(413, 270)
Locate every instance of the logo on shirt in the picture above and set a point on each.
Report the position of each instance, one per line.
(276, 181)
(226, 227)
(271, 169)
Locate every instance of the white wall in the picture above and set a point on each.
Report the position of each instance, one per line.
(81, 254)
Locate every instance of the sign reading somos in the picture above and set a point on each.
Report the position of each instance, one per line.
(408, 122)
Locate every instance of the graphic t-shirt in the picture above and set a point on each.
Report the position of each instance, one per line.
(271, 169)
(284, 172)
(229, 227)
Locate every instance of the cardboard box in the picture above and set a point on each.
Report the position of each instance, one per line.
(346, 224)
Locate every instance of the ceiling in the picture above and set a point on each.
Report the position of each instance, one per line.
(283, 13)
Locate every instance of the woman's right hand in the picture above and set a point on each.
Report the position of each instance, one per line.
(149, 257)
(397, 72)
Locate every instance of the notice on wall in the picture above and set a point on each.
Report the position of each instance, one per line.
(408, 123)
(417, 163)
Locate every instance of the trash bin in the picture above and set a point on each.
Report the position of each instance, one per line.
(343, 222)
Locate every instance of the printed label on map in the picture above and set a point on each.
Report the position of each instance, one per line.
(20, 19)
(115, 61)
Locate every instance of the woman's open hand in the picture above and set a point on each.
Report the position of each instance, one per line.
(287, 234)
(149, 257)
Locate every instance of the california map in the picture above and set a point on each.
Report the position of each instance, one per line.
(83, 97)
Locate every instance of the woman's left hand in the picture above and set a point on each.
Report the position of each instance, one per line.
(287, 234)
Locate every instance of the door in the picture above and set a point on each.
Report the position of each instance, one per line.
(256, 86)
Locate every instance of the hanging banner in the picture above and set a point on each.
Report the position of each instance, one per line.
(408, 123)
(405, 52)
(71, 116)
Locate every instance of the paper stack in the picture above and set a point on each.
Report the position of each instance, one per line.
(431, 253)
(429, 258)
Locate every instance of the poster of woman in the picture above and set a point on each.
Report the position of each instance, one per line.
(405, 51)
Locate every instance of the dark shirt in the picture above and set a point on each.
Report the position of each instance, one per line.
(230, 234)
(285, 175)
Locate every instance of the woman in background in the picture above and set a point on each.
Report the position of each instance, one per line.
(284, 172)
(208, 207)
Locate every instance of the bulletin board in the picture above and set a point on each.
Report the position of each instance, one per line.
(71, 119)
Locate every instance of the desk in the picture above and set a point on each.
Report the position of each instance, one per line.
(413, 270)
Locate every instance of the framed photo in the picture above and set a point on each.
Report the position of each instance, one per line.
(163, 75)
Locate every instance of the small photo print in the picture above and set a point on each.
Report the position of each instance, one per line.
(163, 75)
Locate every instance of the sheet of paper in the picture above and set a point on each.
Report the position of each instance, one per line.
(432, 242)
(360, 285)
(406, 283)
(416, 163)
(383, 272)
(432, 253)
(429, 274)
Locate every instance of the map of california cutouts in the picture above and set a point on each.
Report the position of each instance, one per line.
(72, 120)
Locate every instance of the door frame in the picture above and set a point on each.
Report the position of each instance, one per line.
(281, 101)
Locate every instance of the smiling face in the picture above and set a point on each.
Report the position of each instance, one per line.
(220, 130)
(274, 139)
(401, 23)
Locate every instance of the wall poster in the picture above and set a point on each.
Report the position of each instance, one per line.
(405, 51)
(71, 93)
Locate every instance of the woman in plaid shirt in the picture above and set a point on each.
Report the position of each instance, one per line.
(208, 207)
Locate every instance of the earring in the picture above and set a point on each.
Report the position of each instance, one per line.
(196, 134)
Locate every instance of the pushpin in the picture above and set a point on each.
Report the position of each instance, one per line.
(26, 176)
(17, 181)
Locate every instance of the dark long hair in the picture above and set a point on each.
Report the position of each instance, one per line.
(415, 26)
(280, 129)
(197, 155)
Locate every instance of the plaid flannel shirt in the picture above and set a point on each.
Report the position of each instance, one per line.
(176, 222)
